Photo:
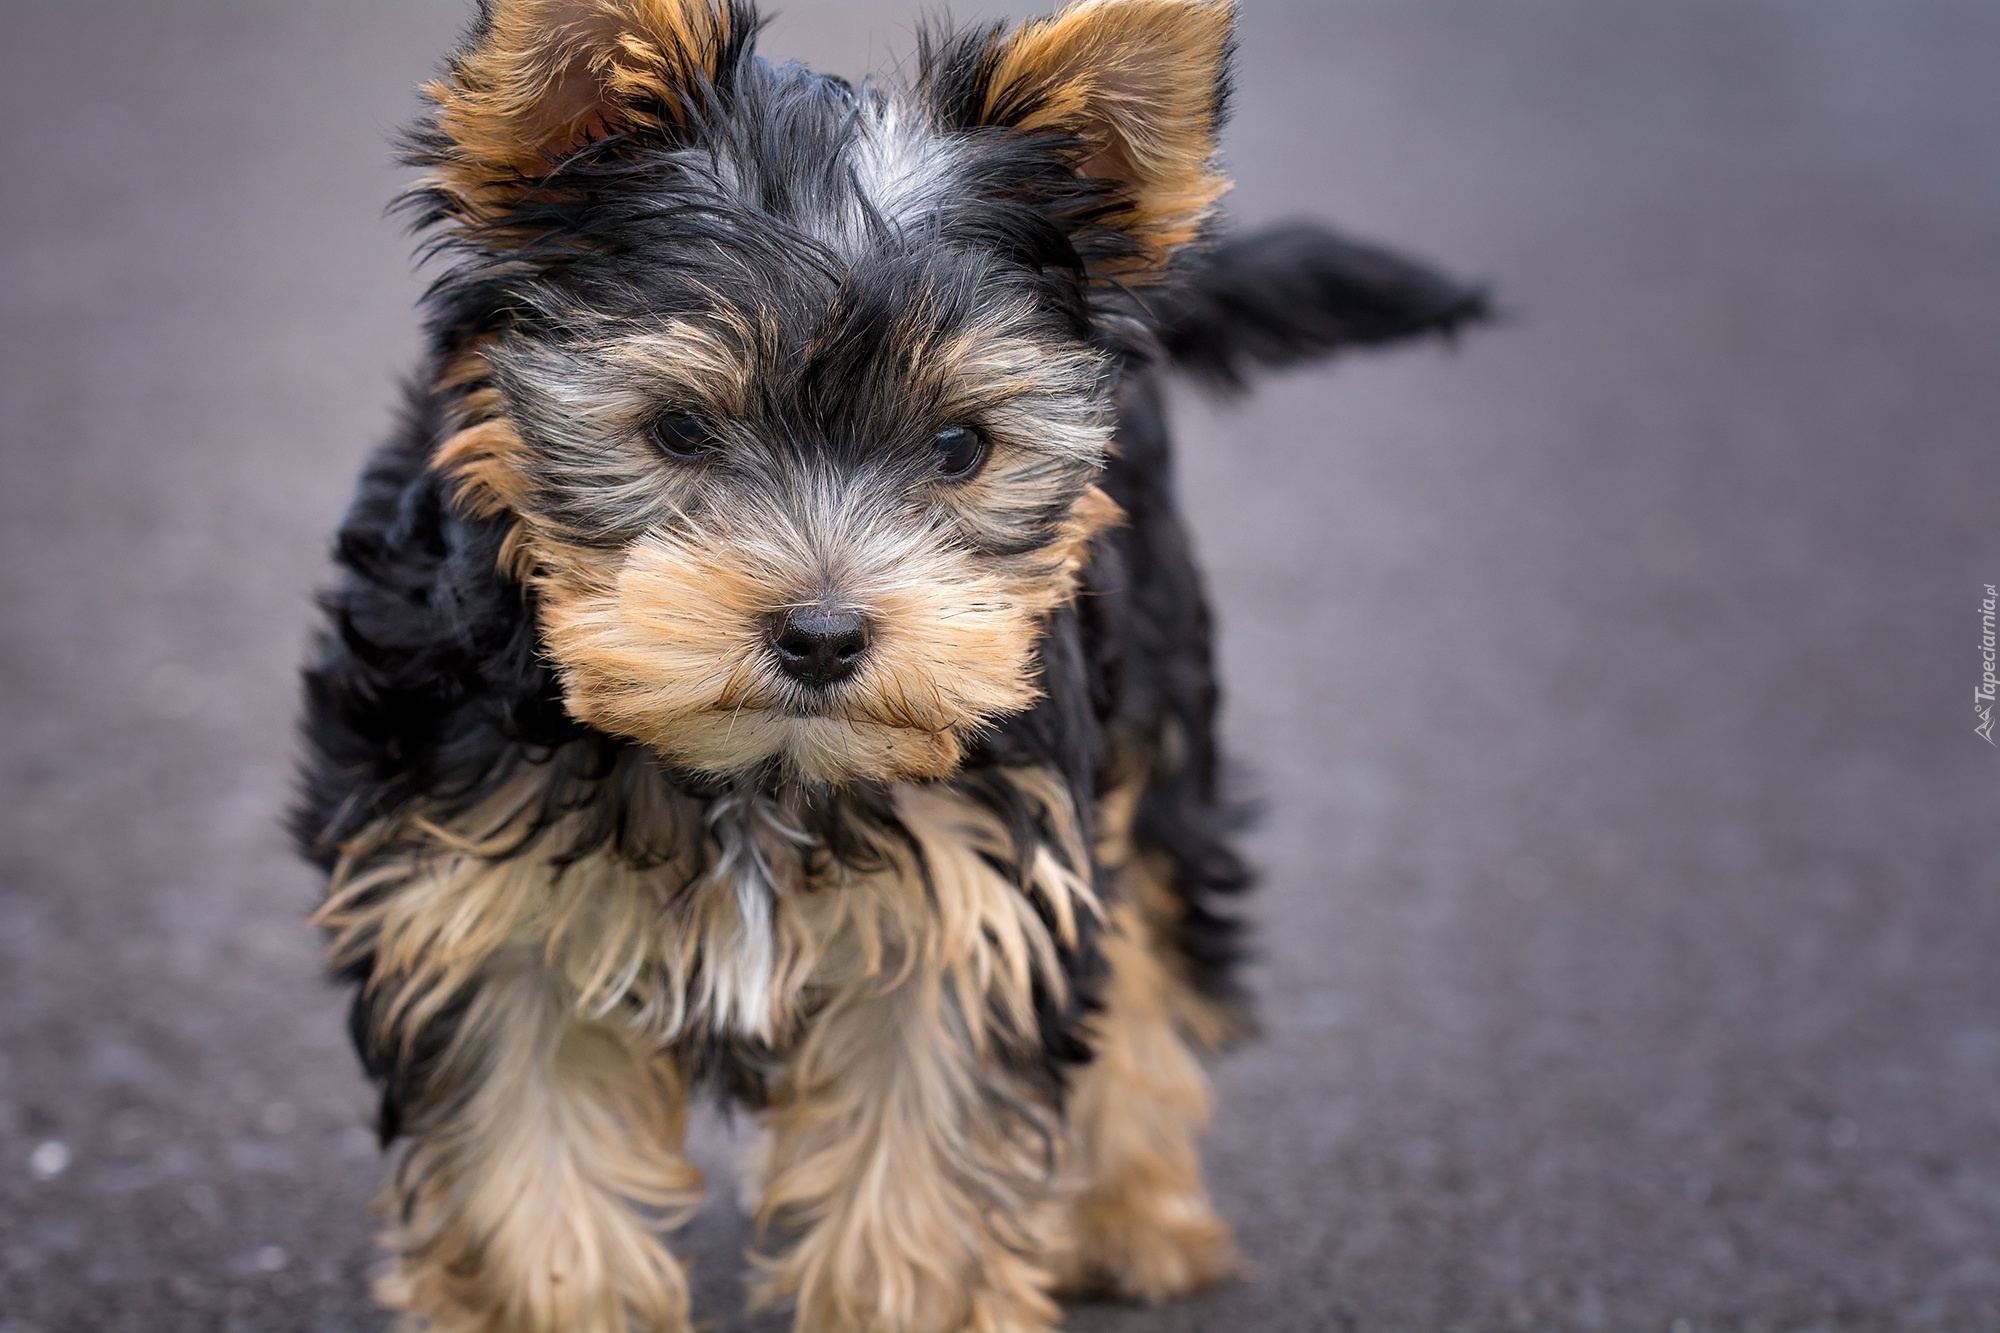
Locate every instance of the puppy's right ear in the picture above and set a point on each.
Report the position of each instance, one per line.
(539, 80)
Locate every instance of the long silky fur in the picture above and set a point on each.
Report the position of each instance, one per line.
(569, 885)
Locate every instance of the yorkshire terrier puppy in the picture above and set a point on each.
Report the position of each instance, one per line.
(768, 660)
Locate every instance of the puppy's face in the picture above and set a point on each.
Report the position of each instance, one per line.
(803, 515)
(799, 395)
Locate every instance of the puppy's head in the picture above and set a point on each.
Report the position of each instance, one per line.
(794, 394)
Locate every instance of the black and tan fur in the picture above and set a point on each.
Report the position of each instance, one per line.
(953, 925)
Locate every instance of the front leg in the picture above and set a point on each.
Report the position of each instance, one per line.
(545, 1159)
(914, 1174)
(914, 1129)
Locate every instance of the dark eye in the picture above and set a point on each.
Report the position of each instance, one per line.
(682, 435)
(958, 451)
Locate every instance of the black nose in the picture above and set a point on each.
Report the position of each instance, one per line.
(818, 645)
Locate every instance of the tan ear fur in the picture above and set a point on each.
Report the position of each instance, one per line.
(545, 76)
(1140, 81)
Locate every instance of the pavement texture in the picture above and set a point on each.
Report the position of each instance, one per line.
(1631, 929)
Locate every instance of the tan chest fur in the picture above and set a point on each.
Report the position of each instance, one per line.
(744, 936)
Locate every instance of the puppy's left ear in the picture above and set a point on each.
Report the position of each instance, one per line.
(1137, 86)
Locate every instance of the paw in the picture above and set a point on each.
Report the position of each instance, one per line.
(1150, 1248)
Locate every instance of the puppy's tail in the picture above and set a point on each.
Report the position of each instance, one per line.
(1298, 292)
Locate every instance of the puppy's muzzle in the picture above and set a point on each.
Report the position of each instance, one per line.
(819, 645)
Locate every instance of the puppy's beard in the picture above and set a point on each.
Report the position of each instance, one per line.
(668, 647)
(817, 749)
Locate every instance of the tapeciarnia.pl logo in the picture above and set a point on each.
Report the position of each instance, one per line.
(1982, 698)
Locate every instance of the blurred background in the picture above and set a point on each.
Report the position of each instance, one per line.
(1630, 940)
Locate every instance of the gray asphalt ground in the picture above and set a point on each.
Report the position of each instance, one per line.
(1631, 937)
